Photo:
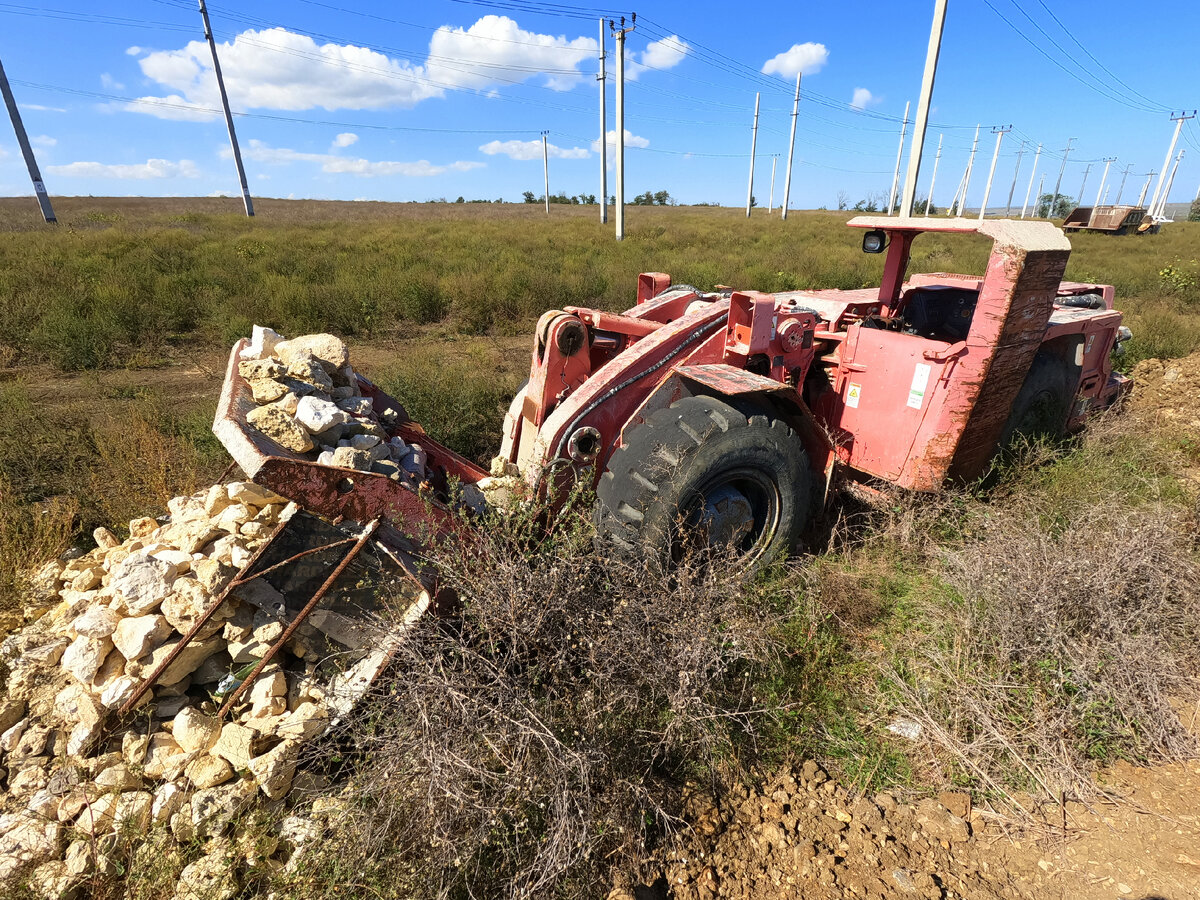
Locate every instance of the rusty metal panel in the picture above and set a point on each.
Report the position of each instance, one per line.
(1014, 308)
(731, 380)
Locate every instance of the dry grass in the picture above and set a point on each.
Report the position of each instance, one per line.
(1063, 616)
(542, 734)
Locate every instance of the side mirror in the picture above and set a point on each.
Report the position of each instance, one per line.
(874, 241)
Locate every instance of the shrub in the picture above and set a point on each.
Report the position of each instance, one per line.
(544, 732)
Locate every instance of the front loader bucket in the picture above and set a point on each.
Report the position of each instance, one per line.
(344, 597)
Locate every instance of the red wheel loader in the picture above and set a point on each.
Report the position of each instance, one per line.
(735, 414)
(729, 417)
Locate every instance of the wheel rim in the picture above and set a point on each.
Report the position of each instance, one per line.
(738, 508)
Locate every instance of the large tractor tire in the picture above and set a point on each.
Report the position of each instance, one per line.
(1041, 408)
(702, 474)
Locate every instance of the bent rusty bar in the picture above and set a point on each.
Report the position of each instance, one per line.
(363, 537)
(129, 705)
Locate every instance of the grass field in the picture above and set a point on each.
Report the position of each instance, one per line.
(134, 282)
(114, 327)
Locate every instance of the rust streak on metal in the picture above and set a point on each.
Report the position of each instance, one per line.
(361, 542)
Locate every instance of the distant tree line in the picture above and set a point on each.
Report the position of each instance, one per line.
(655, 198)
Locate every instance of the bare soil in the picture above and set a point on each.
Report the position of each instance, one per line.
(805, 836)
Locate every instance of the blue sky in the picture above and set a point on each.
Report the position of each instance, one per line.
(417, 101)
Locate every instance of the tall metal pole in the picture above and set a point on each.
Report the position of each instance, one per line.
(1162, 201)
(1032, 175)
(546, 170)
(1103, 178)
(237, 153)
(987, 191)
(753, 144)
(1083, 184)
(933, 180)
(1178, 120)
(922, 120)
(1012, 189)
(899, 154)
(1058, 183)
(1121, 189)
(962, 201)
(771, 196)
(603, 132)
(1145, 187)
(787, 179)
(39, 187)
(620, 195)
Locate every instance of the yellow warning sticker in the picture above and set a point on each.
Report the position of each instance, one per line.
(853, 394)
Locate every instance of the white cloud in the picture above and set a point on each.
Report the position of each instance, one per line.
(151, 168)
(278, 69)
(664, 54)
(807, 58)
(863, 98)
(348, 165)
(532, 150)
(44, 140)
(495, 49)
(41, 108)
(345, 139)
(610, 139)
(110, 83)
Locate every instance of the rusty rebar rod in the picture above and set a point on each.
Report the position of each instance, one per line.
(361, 542)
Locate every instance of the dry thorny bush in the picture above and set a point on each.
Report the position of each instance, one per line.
(1064, 648)
(542, 733)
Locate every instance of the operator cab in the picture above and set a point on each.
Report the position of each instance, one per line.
(936, 312)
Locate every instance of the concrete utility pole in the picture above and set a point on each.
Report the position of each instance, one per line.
(1041, 187)
(933, 180)
(1145, 187)
(753, 145)
(987, 191)
(233, 141)
(957, 191)
(967, 175)
(1178, 120)
(1121, 189)
(899, 154)
(603, 132)
(1058, 184)
(620, 196)
(771, 196)
(1106, 190)
(922, 121)
(1012, 189)
(1032, 175)
(1108, 161)
(546, 170)
(787, 179)
(39, 187)
(1083, 184)
(1162, 201)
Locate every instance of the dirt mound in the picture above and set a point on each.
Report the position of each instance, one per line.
(1169, 390)
(803, 835)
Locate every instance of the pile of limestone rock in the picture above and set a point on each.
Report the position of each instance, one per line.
(310, 402)
(75, 777)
